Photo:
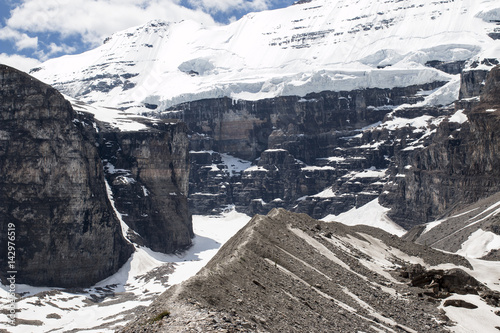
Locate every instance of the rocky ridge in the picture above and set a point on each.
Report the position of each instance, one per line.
(288, 272)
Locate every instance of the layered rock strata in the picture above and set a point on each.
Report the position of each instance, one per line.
(300, 146)
(459, 167)
(53, 190)
(245, 129)
(148, 172)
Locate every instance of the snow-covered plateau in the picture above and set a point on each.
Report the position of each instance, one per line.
(313, 46)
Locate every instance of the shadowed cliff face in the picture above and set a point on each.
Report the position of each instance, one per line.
(460, 166)
(301, 146)
(148, 174)
(245, 129)
(53, 190)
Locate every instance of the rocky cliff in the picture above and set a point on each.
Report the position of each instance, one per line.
(247, 128)
(148, 173)
(459, 167)
(328, 152)
(53, 190)
(300, 146)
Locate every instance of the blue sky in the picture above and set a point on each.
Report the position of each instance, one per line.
(32, 31)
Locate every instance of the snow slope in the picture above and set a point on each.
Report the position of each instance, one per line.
(314, 46)
(371, 214)
(111, 303)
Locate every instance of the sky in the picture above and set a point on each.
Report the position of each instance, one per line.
(33, 31)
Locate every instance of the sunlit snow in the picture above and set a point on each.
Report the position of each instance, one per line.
(322, 45)
(133, 285)
(371, 214)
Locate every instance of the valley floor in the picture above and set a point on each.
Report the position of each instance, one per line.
(115, 301)
(112, 302)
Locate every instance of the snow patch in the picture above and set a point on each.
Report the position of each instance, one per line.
(372, 214)
(458, 117)
(479, 244)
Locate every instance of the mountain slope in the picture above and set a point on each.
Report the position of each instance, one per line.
(313, 46)
(286, 272)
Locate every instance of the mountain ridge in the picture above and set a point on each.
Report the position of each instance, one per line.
(288, 272)
(305, 48)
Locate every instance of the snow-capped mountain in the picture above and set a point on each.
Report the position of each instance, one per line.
(308, 47)
(346, 149)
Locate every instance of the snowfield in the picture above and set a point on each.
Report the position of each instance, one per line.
(310, 47)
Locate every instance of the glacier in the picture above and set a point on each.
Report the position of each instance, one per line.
(308, 47)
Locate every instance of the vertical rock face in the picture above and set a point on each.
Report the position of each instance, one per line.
(245, 129)
(149, 172)
(301, 146)
(460, 166)
(53, 190)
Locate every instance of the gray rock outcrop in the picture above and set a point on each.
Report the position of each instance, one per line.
(53, 190)
(459, 167)
(148, 172)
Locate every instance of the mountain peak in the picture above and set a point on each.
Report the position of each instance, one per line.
(322, 45)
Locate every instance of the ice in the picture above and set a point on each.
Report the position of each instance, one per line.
(384, 47)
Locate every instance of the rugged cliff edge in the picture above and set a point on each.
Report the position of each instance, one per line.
(459, 167)
(53, 190)
(148, 173)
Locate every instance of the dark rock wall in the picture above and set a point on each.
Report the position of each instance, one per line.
(305, 130)
(459, 167)
(53, 190)
(148, 172)
(244, 128)
(472, 82)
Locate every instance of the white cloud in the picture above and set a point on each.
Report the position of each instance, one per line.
(20, 62)
(94, 20)
(21, 40)
(63, 48)
(54, 49)
(230, 5)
